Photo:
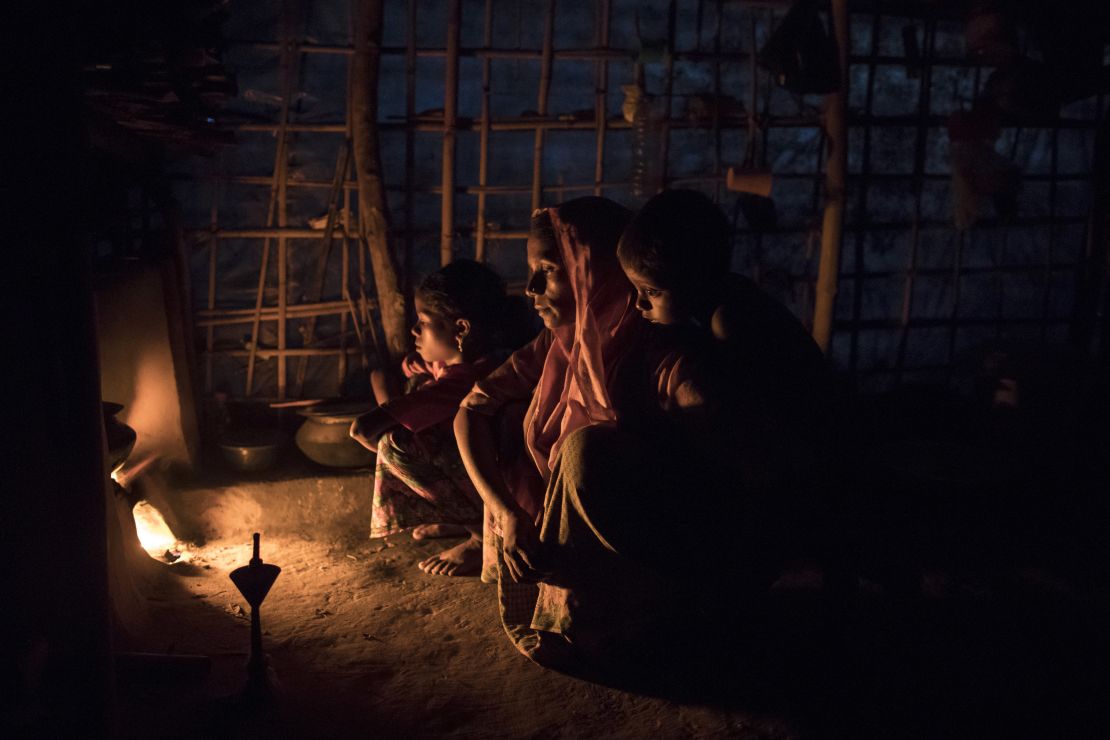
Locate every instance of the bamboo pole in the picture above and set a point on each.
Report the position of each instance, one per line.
(269, 354)
(1050, 246)
(345, 274)
(232, 317)
(316, 289)
(278, 182)
(410, 146)
(940, 322)
(213, 247)
(283, 222)
(567, 122)
(345, 261)
(862, 214)
(298, 310)
(275, 181)
(575, 54)
(483, 140)
(832, 226)
(923, 103)
(306, 234)
(518, 189)
(601, 96)
(954, 312)
(1090, 327)
(668, 87)
(283, 298)
(450, 114)
(717, 167)
(541, 107)
(373, 212)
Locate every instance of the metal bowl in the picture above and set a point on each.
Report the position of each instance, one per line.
(324, 437)
(251, 450)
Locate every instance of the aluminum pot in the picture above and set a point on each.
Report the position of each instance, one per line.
(251, 450)
(324, 437)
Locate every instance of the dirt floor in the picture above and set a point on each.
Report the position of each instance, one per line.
(364, 644)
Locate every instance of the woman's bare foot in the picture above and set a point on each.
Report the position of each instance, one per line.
(433, 531)
(464, 559)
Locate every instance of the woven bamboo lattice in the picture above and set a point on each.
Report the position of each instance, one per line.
(488, 109)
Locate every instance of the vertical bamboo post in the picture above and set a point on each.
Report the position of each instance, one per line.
(410, 148)
(483, 140)
(283, 221)
(862, 218)
(668, 87)
(753, 122)
(836, 176)
(717, 93)
(601, 95)
(373, 212)
(957, 269)
(923, 104)
(283, 288)
(213, 246)
(450, 115)
(345, 260)
(545, 86)
(954, 312)
(1090, 325)
(315, 288)
(1050, 249)
(288, 59)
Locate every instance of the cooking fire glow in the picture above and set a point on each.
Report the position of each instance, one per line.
(155, 536)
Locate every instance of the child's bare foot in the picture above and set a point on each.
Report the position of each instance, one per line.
(433, 531)
(464, 559)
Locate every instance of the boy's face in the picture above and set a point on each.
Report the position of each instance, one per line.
(548, 285)
(658, 305)
(435, 336)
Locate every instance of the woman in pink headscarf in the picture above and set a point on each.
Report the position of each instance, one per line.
(591, 370)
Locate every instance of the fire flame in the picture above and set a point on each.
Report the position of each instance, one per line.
(155, 535)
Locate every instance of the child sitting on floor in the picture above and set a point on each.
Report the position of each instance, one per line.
(774, 420)
(419, 480)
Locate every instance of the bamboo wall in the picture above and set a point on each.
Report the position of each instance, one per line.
(489, 109)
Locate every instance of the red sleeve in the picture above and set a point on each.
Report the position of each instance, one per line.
(514, 380)
(431, 404)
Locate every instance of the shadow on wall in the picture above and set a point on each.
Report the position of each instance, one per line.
(141, 363)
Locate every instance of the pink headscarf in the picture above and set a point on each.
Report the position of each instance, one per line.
(573, 390)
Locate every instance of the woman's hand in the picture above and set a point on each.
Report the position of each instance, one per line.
(520, 546)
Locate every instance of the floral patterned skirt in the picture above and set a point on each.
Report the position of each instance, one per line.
(420, 479)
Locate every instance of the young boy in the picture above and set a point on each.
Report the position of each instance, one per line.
(773, 425)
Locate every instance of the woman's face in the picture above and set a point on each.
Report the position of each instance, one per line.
(436, 337)
(548, 285)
